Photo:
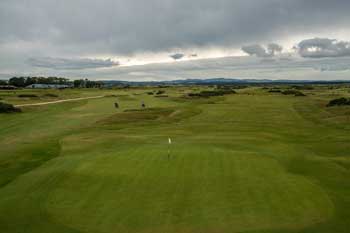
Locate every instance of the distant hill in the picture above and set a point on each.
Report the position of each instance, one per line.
(218, 81)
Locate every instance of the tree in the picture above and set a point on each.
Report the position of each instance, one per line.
(17, 81)
(30, 81)
(78, 83)
(3, 83)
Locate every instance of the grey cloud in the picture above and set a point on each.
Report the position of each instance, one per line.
(230, 67)
(84, 27)
(268, 60)
(256, 50)
(274, 48)
(260, 51)
(100, 28)
(236, 67)
(323, 47)
(177, 56)
(70, 64)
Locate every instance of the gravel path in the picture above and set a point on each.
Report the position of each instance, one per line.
(58, 101)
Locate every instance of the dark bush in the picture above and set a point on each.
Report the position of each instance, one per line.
(161, 96)
(339, 102)
(111, 95)
(50, 95)
(293, 92)
(27, 96)
(160, 92)
(150, 93)
(240, 87)
(212, 93)
(275, 91)
(303, 87)
(8, 108)
(299, 94)
(230, 87)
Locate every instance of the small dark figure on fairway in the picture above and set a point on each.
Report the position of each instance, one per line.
(143, 105)
(116, 105)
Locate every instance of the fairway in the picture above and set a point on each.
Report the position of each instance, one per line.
(252, 162)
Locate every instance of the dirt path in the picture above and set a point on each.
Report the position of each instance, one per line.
(58, 101)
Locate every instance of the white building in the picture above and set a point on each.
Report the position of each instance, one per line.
(48, 86)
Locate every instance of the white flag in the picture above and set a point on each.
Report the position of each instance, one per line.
(169, 141)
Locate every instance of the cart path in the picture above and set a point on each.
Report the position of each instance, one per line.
(58, 101)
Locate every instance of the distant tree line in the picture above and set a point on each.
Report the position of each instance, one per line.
(26, 81)
(3, 82)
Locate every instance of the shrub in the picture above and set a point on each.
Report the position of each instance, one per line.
(8, 108)
(161, 96)
(293, 92)
(275, 91)
(27, 96)
(339, 102)
(230, 87)
(111, 95)
(303, 87)
(299, 94)
(212, 93)
(50, 95)
(160, 92)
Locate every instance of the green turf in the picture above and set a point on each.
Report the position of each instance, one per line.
(248, 162)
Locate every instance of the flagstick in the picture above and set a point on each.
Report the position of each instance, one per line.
(168, 152)
(169, 142)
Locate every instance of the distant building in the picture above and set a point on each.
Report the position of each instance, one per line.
(7, 87)
(48, 86)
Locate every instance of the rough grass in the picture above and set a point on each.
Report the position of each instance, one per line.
(240, 163)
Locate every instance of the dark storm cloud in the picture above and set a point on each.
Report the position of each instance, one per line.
(87, 27)
(64, 31)
(70, 64)
(323, 47)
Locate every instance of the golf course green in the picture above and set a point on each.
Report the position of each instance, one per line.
(252, 162)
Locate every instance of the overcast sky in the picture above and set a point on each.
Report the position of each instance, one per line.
(168, 39)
